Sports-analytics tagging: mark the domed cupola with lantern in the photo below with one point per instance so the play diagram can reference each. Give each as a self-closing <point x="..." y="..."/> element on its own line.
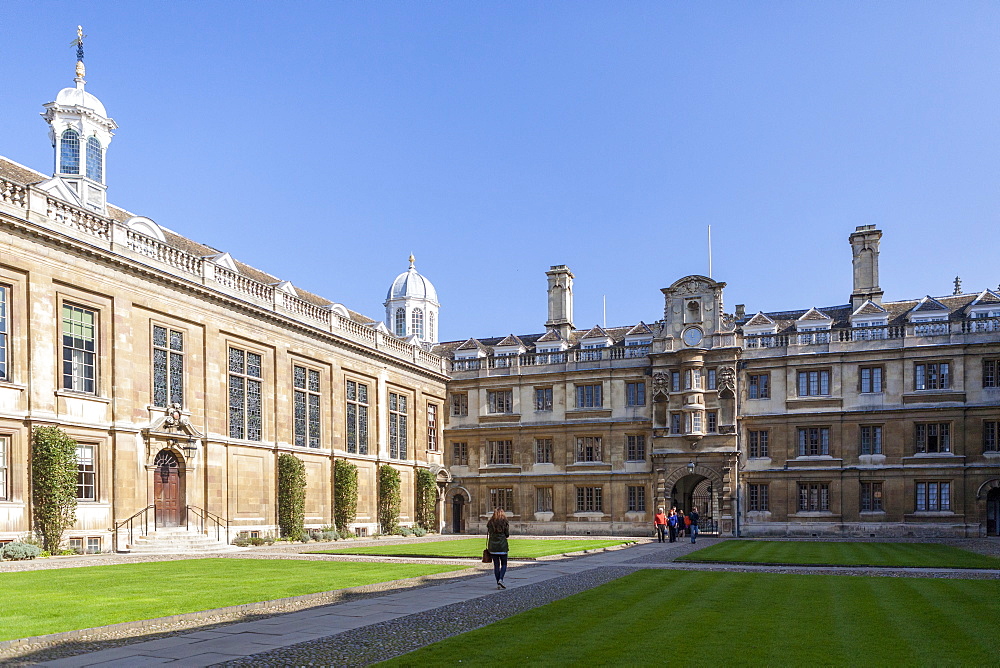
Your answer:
<point x="80" y="131"/>
<point x="411" y="307"/>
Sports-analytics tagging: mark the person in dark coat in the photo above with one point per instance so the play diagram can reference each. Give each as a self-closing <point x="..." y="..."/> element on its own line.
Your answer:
<point x="694" y="517"/>
<point x="672" y="525"/>
<point x="498" y="530"/>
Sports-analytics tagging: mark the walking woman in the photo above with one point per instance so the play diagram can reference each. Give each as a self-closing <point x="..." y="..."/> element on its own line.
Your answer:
<point x="499" y="530"/>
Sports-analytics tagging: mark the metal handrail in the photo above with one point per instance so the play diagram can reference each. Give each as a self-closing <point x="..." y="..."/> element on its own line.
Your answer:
<point x="205" y="517"/>
<point x="131" y="525"/>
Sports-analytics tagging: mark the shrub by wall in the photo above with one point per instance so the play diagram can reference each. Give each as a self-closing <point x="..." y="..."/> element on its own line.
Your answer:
<point x="19" y="551"/>
<point x="389" y="499"/>
<point x="291" y="496"/>
<point x="426" y="502"/>
<point x="345" y="494"/>
<point x="53" y="484"/>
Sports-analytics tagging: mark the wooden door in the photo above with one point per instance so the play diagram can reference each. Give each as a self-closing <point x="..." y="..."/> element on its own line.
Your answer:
<point x="167" y="490"/>
<point x="456" y="513"/>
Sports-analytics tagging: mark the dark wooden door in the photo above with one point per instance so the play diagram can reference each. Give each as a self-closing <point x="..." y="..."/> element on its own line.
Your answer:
<point x="167" y="490"/>
<point x="456" y="514"/>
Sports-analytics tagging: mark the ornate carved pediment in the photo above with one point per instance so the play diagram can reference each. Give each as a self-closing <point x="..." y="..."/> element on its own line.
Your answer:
<point x="661" y="384"/>
<point x="172" y="431"/>
<point x="727" y="380"/>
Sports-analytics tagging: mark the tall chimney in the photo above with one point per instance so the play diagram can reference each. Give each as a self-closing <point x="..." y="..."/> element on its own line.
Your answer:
<point x="560" y="300"/>
<point x="864" y="248"/>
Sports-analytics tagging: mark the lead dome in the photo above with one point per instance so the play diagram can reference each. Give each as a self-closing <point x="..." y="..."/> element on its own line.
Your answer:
<point x="411" y="307"/>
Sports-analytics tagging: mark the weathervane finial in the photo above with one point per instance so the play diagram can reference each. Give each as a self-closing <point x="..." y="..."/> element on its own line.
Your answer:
<point x="411" y="260"/>
<point x="81" y="71"/>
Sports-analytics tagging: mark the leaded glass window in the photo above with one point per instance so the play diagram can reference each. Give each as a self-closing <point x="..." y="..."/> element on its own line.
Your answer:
<point x="431" y="325"/>
<point x="245" y="395"/>
<point x="4" y="290"/>
<point x="635" y="447"/>
<point x="588" y="499"/>
<point x="357" y="418"/>
<point x="168" y="367"/>
<point x="432" y="430"/>
<point x="69" y="152"/>
<point x="79" y="332"/>
<point x="95" y="167"/>
<point x="397" y="426"/>
<point x="307" y="402"/>
<point x="588" y="449"/>
<point x="417" y="322"/>
<point x="400" y="322"/>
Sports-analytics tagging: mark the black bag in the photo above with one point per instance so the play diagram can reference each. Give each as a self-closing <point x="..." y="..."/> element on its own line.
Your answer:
<point x="486" y="557"/>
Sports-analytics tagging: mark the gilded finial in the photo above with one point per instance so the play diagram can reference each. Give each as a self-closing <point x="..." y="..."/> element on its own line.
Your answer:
<point x="411" y="260"/>
<point x="81" y="71"/>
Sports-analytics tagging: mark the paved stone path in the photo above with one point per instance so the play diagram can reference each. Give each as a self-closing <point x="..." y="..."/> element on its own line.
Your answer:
<point x="360" y="632"/>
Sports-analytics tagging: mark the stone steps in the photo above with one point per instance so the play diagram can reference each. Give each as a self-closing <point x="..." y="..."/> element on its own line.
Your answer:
<point x="178" y="541"/>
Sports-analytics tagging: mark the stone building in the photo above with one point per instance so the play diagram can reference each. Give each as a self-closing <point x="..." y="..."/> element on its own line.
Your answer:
<point x="871" y="418"/>
<point x="182" y="372"/>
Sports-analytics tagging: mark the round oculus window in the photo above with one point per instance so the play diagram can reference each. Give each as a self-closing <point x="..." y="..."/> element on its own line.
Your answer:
<point x="692" y="336"/>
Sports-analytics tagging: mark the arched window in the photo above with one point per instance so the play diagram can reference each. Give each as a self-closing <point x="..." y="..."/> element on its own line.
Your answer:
<point x="417" y="323"/>
<point x="400" y="322"/>
<point x="95" y="165"/>
<point x="69" y="153"/>
<point x="430" y="325"/>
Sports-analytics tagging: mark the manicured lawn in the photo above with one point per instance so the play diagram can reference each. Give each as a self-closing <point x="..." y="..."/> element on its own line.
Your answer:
<point x="723" y="619"/>
<point x="37" y="602"/>
<point x="520" y="548"/>
<point x="928" y="555"/>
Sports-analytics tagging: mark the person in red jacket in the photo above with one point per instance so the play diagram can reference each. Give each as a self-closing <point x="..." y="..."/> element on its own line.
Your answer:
<point x="660" y="523"/>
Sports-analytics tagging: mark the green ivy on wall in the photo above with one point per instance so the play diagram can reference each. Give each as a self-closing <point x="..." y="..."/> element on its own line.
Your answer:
<point x="345" y="494"/>
<point x="291" y="496"/>
<point x="426" y="501"/>
<point x="389" y="499"/>
<point x="53" y="484"/>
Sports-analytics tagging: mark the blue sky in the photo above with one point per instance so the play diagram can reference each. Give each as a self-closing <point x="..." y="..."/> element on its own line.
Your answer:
<point x="325" y="141"/>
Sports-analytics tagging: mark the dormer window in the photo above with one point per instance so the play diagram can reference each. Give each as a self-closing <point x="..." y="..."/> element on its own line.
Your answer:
<point x="95" y="162"/>
<point x="813" y="327"/>
<point x="69" y="152"/>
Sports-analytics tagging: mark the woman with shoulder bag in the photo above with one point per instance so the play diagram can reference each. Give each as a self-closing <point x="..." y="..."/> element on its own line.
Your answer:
<point x="498" y="530"/>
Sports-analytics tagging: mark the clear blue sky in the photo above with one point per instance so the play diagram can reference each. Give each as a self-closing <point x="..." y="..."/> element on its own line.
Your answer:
<point x="323" y="142"/>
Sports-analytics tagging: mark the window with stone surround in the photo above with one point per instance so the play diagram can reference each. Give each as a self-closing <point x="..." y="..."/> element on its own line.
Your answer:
<point x="459" y="404"/>
<point x="307" y="401"/>
<point x="870" y="379"/>
<point x="635" y="394"/>
<point x="4" y="458"/>
<point x="246" y="409"/>
<point x="814" y="497"/>
<point x="543" y="499"/>
<point x="757" y="443"/>
<point x="95" y="162"/>
<point x="589" y="499"/>
<point x="398" y="426"/>
<point x="759" y="386"/>
<point x="432" y="427"/>
<point x="814" y="441"/>
<point x="502" y="497"/>
<point x="712" y="422"/>
<point x="991" y="373"/>
<point x="543" y="398"/>
<point x="460" y="453"/>
<point x="635" y="447"/>
<point x="991" y="436"/>
<point x="814" y="383"/>
<point x="400" y="322"/>
<point x="86" y="473"/>
<point x="4" y="333"/>
<point x="871" y="496"/>
<point x="636" y="498"/>
<point x="69" y="152"/>
<point x="357" y="417"/>
<point x="932" y="376"/>
<point x="934" y="495"/>
<point x="933" y="436"/>
<point x="758" y="497"/>
<point x="871" y="439"/>
<point x="588" y="449"/>
<point x="543" y="450"/>
<point x="79" y="345"/>
<point x="500" y="401"/>
<point x="501" y="452"/>
<point x="168" y="366"/>
<point x="590" y="396"/>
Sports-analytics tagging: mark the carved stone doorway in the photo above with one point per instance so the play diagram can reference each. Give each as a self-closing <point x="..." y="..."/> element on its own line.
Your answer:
<point x="167" y="489"/>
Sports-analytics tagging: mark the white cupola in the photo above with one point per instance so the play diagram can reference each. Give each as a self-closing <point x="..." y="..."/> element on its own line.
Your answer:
<point x="80" y="131"/>
<point x="411" y="307"/>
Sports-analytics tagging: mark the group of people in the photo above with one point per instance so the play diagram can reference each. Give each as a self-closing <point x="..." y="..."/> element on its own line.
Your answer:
<point x="676" y="524"/>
